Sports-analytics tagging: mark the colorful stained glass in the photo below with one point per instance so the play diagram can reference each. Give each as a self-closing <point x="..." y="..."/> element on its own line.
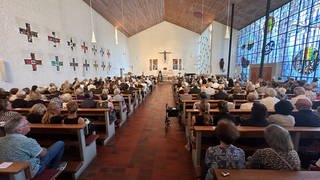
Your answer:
<point x="306" y="61"/>
<point x="293" y="40"/>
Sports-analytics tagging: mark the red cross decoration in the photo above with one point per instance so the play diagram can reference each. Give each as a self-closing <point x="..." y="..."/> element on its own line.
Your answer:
<point x="84" y="47"/>
<point x="103" y="65"/>
<point x="95" y="65"/>
<point x="94" y="49"/>
<point x="86" y="65"/>
<point x="102" y="52"/>
<point x="74" y="64"/>
<point x="54" y="39"/>
<point x="108" y="53"/>
<point x="33" y="61"/>
<point x="28" y="32"/>
<point x="71" y="44"/>
<point x="57" y="63"/>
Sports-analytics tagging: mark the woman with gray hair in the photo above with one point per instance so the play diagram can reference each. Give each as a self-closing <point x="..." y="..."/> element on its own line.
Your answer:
<point x="281" y="154"/>
<point x="270" y="100"/>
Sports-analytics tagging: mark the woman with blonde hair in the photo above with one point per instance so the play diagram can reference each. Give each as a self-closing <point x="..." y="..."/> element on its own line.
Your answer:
<point x="72" y="117"/>
<point x="53" y="114"/>
<point x="36" y="113"/>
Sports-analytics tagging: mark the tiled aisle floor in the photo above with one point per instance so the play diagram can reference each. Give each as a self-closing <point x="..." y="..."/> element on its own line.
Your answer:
<point x="140" y="149"/>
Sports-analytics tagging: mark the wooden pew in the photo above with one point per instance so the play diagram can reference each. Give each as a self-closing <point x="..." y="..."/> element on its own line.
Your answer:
<point x="87" y="150"/>
<point x="108" y="127"/>
<point x="262" y="174"/>
<point x="251" y="132"/>
<point x="16" y="171"/>
<point x="188" y="104"/>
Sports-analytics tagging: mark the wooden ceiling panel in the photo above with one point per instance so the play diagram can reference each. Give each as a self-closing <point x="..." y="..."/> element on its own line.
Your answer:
<point x="133" y="16"/>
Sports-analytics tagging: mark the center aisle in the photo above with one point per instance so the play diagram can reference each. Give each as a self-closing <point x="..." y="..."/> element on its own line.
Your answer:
<point x="140" y="149"/>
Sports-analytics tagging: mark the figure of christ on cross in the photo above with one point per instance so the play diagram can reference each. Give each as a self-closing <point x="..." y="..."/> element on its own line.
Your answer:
<point x="165" y="55"/>
<point x="71" y="44"/>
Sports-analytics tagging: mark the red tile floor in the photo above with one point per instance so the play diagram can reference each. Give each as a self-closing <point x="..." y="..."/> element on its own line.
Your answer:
<point x="140" y="149"/>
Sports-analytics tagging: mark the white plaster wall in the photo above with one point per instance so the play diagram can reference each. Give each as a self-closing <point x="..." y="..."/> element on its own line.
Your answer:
<point x="68" y="18"/>
<point x="164" y="36"/>
<point x="220" y="47"/>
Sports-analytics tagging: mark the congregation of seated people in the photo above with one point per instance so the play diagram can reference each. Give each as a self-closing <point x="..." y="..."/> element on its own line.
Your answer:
<point x="273" y="105"/>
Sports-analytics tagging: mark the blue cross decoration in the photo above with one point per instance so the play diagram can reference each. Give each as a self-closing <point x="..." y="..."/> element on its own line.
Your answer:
<point x="54" y="39"/>
<point x="102" y="52"/>
<point x="86" y="65"/>
<point x="71" y="44"/>
<point x="28" y="32"/>
<point x="57" y="63"/>
<point x="94" y="49"/>
<point x="95" y="65"/>
<point x="103" y="65"/>
<point x="269" y="47"/>
<point x="33" y="62"/>
<point x="74" y="64"/>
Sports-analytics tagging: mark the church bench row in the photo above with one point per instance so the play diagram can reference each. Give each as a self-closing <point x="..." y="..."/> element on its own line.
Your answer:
<point x="105" y="128"/>
<point x="188" y="104"/>
<point x="251" y="132"/>
<point x="79" y="151"/>
<point x="262" y="174"/>
<point x="83" y="149"/>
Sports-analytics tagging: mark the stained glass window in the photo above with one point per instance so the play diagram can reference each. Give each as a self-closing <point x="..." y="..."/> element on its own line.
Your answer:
<point x="293" y="40"/>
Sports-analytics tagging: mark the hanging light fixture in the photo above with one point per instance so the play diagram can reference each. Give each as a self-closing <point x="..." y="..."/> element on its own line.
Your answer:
<point x="227" y="35"/>
<point x="93" y="37"/>
<point x="116" y="35"/>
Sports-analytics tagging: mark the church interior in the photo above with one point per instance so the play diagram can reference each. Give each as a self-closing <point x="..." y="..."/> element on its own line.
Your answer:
<point x="151" y="69"/>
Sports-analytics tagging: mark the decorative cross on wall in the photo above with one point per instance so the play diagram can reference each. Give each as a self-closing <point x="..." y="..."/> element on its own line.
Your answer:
<point x="86" y="65"/>
<point x="94" y="49"/>
<point x="109" y="66"/>
<point x="102" y="52"/>
<point x="84" y="47"/>
<point x="108" y="53"/>
<point x="95" y="65"/>
<point x="57" y="63"/>
<point x="103" y="65"/>
<point x="33" y="61"/>
<point x="28" y="32"/>
<point x="74" y="64"/>
<point x="71" y="44"/>
<point x="54" y="39"/>
<point x="165" y="55"/>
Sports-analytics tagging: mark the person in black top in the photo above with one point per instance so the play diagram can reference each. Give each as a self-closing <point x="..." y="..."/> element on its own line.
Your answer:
<point x="223" y="113"/>
<point x="20" y="102"/>
<point x="258" y="116"/>
<point x="72" y="117"/>
<point x="36" y="113"/>
<point x="305" y="116"/>
<point x="88" y="102"/>
<point x="203" y="118"/>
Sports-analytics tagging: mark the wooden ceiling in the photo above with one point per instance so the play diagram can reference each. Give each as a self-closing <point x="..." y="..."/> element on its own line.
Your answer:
<point x="133" y="16"/>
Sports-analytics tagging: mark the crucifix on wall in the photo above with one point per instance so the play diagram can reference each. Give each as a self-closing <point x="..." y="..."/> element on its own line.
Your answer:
<point x="165" y="55"/>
